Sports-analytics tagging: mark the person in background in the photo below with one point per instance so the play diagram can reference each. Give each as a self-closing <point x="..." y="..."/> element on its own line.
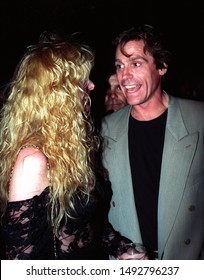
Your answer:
<point x="114" y="98"/>
<point x="154" y="152"/>
<point x="54" y="194"/>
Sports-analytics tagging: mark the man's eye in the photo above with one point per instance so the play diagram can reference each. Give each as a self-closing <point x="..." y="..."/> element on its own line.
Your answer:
<point x="137" y="64"/>
<point x="118" y="66"/>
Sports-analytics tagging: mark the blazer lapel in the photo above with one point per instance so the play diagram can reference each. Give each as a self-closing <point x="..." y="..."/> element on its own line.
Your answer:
<point x="123" y="203"/>
<point x="179" y="149"/>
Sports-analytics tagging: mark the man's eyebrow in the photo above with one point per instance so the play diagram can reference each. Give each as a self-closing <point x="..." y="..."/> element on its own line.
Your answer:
<point x="118" y="60"/>
<point x="132" y="58"/>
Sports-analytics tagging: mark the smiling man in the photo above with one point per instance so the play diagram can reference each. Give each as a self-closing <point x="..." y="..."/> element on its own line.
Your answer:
<point x="154" y="152"/>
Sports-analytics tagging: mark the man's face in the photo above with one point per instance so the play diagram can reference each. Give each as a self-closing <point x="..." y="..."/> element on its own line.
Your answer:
<point x="114" y="99"/>
<point x="137" y="74"/>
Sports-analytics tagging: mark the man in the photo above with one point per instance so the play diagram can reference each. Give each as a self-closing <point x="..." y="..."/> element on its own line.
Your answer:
<point x="114" y="98"/>
<point x="154" y="152"/>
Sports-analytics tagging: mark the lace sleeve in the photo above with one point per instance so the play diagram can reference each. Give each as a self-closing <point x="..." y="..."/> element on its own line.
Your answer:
<point x="25" y="225"/>
<point x="112" y="240"/>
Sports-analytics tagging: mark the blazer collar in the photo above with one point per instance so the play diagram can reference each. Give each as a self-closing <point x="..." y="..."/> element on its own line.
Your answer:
<point x="174" y="117"/>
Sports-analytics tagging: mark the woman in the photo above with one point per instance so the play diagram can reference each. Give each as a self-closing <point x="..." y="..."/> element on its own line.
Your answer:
<point x="54" y="198"/>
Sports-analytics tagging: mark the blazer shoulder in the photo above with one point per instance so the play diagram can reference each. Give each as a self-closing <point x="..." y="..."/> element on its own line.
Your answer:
<point x="194" y="106"/>
<point x="116" y="118"/>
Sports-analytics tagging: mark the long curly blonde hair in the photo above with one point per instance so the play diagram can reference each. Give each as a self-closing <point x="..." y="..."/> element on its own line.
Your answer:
<point x="45" y="108"/>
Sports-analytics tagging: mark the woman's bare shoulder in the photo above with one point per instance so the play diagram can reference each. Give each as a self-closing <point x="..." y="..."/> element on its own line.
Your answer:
<point x="30" y="174"/>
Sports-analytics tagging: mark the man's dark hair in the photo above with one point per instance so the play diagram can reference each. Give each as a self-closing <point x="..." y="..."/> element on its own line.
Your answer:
<point x="154" y="43"/>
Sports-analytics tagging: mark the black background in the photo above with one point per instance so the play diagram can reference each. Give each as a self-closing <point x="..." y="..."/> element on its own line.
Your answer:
<point x="182" y="22"/>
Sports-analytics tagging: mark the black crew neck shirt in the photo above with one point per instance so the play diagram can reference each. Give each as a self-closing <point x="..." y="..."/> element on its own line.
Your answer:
<point x="146" y="140"/>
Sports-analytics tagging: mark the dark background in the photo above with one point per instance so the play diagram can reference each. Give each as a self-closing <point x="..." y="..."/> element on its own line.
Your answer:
<point x="182" y="22"/>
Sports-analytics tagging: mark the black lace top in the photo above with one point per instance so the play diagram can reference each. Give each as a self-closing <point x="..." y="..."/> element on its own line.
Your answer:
<point x="28" y="234"/>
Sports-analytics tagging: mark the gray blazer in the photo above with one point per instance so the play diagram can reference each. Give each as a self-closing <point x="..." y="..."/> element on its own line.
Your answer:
<point x="181" y="191"/>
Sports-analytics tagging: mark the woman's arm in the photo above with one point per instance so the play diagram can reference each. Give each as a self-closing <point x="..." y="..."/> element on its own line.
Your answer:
<point x="30" y="174"/>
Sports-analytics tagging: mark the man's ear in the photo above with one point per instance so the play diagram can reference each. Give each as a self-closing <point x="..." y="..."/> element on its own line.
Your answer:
<point x="163" y="70"/>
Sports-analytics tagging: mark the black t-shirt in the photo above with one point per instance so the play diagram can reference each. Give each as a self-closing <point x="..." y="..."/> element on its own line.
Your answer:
<point x="146" y="139"/>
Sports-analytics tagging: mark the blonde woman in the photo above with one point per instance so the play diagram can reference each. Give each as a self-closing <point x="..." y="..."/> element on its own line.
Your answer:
<point x="53" y="206"/>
